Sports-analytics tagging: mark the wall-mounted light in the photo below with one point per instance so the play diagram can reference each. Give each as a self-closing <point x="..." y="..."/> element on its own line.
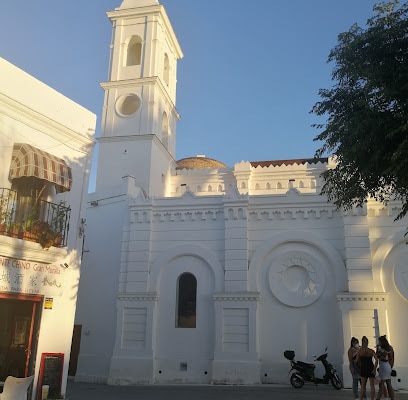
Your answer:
<point x="94" y="203"/>
<point x="81" y="227"/>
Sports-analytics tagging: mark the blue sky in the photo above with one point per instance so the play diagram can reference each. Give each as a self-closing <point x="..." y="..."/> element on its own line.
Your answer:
<point x="250" y="74"/>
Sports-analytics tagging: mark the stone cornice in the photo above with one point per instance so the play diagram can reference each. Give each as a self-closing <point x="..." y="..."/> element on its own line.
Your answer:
<point x="153" y="80"/>
<point x="362" y="296"/>
<point x="45" y="125"/>
<point x="148" y="296"/>
<point x="30" y="251"/>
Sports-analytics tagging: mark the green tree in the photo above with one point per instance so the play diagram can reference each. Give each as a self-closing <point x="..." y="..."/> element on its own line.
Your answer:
<point x="366" y="112"/>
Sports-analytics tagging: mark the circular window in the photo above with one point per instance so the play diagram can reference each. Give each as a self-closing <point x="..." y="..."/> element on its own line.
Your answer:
<point x="127" y="104"/>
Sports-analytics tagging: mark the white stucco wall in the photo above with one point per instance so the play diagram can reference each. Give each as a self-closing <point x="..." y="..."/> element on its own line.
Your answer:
<point x="33" y="113"/>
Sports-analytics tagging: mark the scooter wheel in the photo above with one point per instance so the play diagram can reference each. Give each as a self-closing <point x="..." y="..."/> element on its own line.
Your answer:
<point x="296" y="382"/>
<point x="336" y="381"/>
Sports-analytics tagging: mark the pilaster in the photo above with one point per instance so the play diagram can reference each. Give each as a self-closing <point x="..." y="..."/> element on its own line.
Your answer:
<point x="236" y="242"/>
<point x="236" y="354"/>
<point x="132" y="359"/>
<point x="357" y="250"/>
<point x="363" y="314"/>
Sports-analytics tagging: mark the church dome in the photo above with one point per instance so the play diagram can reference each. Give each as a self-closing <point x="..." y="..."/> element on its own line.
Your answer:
<point x="199" y="162"/>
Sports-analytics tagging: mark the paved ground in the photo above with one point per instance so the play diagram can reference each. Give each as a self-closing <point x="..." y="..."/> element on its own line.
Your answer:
<point x="90" y="391"/>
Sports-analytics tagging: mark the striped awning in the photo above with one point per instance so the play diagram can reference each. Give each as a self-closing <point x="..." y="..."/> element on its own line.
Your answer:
<point x="27" y="160"/>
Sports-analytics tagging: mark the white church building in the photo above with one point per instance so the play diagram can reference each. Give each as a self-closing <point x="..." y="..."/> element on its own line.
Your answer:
<point x="198" y="272"/>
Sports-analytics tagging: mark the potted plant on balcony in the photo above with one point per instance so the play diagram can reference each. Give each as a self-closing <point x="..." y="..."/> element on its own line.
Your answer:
<point x="4" y="215"/>
<point x="42" y="233"/>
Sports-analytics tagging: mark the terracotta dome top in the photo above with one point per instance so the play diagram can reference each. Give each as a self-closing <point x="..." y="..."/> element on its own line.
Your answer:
<point x="199" y="162"/>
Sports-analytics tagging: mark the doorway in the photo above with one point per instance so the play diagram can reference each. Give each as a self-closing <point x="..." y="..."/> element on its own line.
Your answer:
<point x="20" y="316"/>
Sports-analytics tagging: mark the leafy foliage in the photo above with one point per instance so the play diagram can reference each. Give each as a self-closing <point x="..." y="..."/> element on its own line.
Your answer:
<point x="367" y="111"/>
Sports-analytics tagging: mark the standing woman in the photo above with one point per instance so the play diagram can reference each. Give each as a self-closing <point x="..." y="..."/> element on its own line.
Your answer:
<point x="365" y="357"/>
<point x="385" y="354"/>
<point x="354" y="367"/>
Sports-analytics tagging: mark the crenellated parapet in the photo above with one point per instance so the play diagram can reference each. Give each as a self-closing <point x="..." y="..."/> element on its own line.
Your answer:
<point x="254" y="178"/>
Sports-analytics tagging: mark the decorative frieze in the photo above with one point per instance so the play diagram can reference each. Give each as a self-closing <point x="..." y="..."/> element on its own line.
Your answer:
<point x="236" y="296"/>
<point x="292" y="213"/>
<point x="347" y="296"/>
<point x="137" y="297"/>
<point x="232" y="213"/>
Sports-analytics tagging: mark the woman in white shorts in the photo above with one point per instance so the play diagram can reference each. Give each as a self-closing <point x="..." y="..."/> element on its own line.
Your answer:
<point x="385" y="354"/>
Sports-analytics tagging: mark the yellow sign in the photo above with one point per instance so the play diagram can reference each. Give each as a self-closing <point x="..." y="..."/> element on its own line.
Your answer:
<point x="48" y="303"/>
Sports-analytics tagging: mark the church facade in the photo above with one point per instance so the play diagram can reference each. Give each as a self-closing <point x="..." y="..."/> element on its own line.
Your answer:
<point x="198" y="272"/>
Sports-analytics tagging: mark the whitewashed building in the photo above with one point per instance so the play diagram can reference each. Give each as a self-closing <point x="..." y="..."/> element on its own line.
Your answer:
<point x="198" y="272"/>
<point x="46" y="143"/>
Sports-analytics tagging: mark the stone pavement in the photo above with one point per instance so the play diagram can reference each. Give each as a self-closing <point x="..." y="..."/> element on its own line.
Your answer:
<point x="93" y="391"/>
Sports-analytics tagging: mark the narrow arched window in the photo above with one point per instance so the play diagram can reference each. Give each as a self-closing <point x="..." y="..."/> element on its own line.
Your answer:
<point x="165" y="131"/>
<point x="133" y="51"/>
<point x="186" y="301"/>
<point x="166" y="69"/>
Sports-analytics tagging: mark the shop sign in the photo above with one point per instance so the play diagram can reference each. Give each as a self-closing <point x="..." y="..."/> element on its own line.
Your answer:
<point x="21" y="276"/>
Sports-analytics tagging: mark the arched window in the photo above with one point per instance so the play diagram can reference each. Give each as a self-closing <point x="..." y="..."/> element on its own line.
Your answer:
<point x="165" y="131"/>
<point x="133" y="51"/>
<point x="166" y="69"/>
<point x="186" y="301"/>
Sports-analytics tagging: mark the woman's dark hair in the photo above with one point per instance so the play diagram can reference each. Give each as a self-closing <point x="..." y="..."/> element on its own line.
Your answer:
<point x="353" y="340"/>
<point x="364" y="341"/>
<point x="384" y="343"/>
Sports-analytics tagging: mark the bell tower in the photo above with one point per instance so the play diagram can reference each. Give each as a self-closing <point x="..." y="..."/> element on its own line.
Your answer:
<point x="138" y="131"/>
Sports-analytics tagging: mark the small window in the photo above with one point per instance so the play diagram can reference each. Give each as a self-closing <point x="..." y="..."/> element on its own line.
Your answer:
<point x="186" y="301"/>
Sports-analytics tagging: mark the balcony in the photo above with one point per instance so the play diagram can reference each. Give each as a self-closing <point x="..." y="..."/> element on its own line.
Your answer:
<point x="34" y="220"/>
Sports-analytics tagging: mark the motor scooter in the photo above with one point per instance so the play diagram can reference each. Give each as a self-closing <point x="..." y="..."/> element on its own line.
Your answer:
<point x="304" y="372"/>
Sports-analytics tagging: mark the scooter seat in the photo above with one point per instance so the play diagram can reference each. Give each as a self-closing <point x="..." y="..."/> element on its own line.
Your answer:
<point x="306" y="365"/>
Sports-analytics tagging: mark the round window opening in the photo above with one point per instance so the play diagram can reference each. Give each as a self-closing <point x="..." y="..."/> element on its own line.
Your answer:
<point x="127" y="104"/>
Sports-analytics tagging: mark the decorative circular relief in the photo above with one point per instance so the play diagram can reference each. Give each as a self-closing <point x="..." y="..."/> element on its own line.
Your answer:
<point x="296" y="279"/>
<point x="128" y="104"/>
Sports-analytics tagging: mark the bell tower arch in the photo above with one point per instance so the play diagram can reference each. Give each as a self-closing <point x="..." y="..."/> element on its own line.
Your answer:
<point x="138" y="128"/>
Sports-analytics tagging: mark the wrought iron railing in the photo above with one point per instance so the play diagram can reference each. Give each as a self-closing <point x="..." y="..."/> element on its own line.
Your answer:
<point x="33" y="219"/>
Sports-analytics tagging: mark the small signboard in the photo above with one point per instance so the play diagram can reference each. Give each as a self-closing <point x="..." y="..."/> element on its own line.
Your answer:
<point x="51" y="368"/>
<point x="48" y="303"/>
